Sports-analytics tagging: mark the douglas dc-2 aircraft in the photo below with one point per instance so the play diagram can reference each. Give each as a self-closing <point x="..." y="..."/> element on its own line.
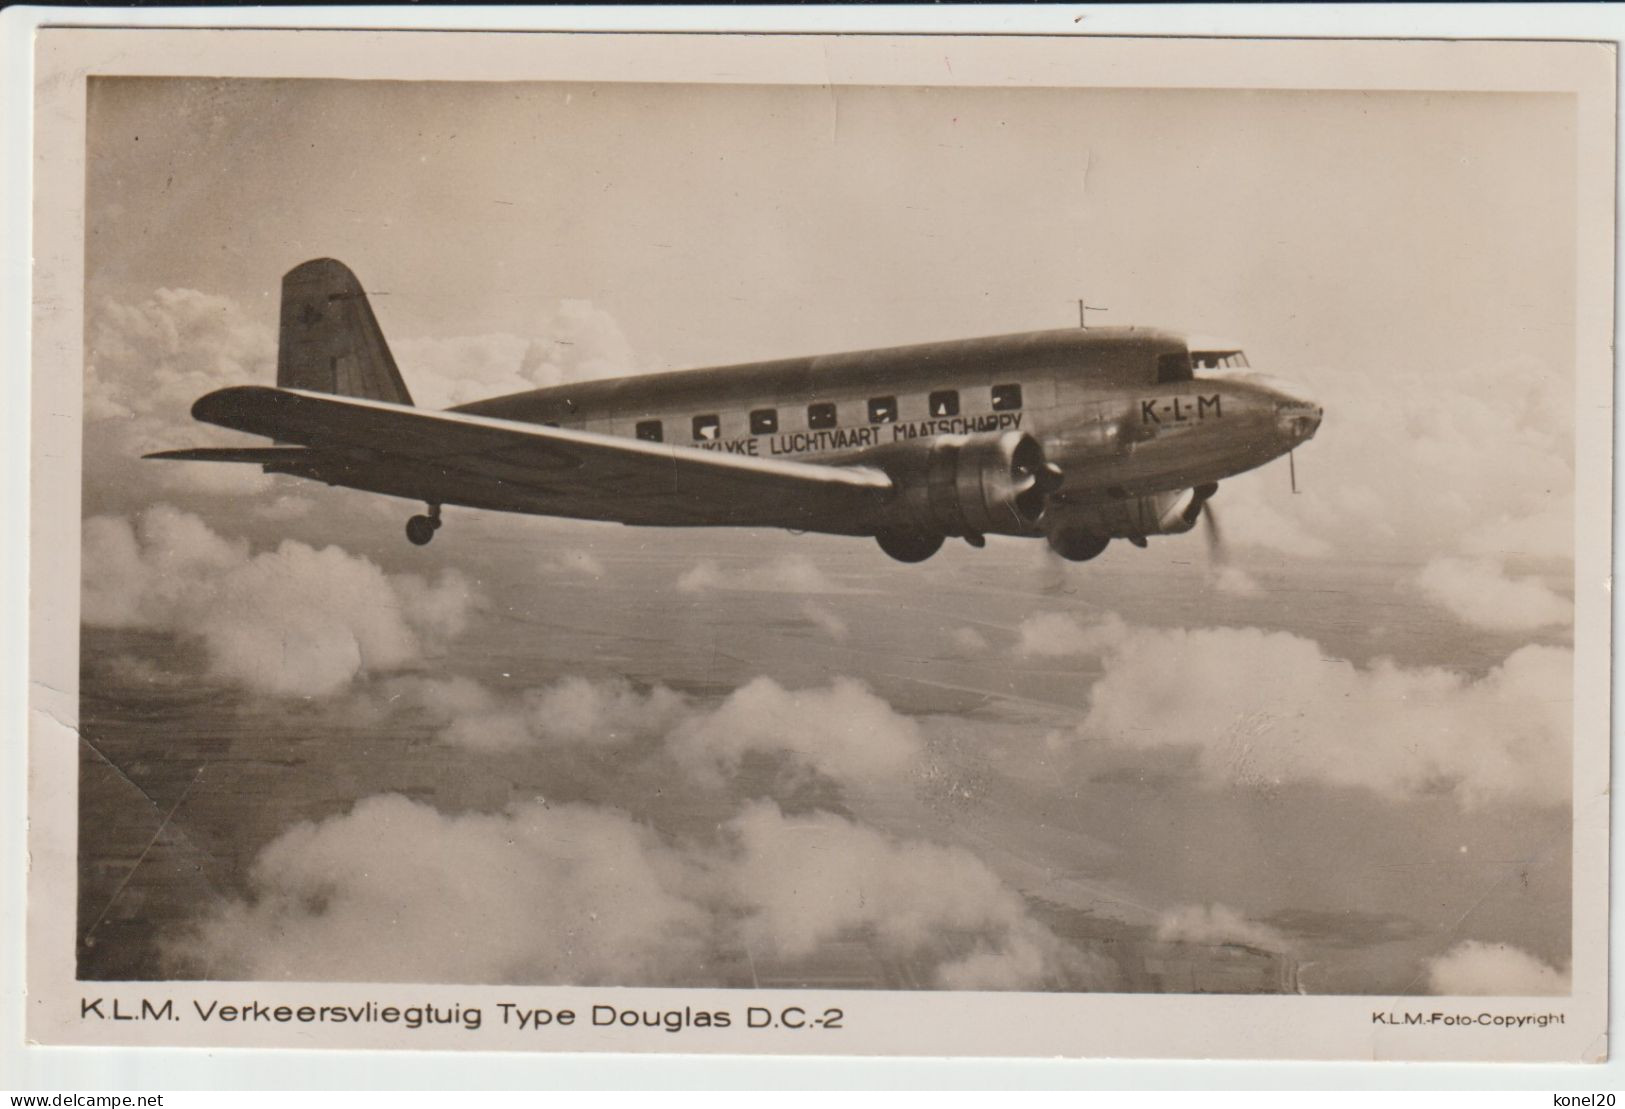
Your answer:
<point x="1077" y="436"/>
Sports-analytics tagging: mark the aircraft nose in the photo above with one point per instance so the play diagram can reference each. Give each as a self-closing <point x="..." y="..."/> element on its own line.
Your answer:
<point x="1296" y="415"/>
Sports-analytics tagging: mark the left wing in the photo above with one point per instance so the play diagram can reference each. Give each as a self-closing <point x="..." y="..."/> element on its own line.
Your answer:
<point x="457" y="458"/>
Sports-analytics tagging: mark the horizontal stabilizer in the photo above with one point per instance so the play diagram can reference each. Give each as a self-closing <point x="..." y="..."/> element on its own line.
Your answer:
<point x="232" y="454"/>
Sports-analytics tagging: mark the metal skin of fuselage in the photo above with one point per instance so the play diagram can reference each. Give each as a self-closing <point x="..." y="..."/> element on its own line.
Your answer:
<point x="1089" y="397"/>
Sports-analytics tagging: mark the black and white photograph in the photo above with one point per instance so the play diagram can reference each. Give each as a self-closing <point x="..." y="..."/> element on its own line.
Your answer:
<point x="996" y="540"/>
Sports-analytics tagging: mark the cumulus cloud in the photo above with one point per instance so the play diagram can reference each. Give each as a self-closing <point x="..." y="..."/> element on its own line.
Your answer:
<point x="806" y="880"/>
<point x="1053" y="634"/>
<point x="1494" y="441"/>
<point x="1258" y="708"/>
<point x="573" y="341"/>
<point x="285" y="507"/>
<point x="295" y="621"/>
<point x="1545" y="532"/>
<point x="1480" y="592"/>
<point x="573" y="711"/>
<point x="824" y="620"/>
<point x="146" y="363"/>
<point x="1236" y="582"/>
<point x="576" y="562"/>
<point x="793" y="573"/>
<point x="843" y="732"/>
<point x="394" y="890"/>
<point x="1252" y="517"/>
<point x="1474" y="968"/>
<point x="1216" y="924"/>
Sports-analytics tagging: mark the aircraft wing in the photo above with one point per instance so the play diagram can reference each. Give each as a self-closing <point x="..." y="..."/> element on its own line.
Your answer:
<point x="458" y="458"/>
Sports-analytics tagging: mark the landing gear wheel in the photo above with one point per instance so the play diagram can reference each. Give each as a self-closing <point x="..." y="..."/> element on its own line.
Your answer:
<point x="1075" y="545"/>
<point x="907" y="546"/>
<point x="421" y="529"/>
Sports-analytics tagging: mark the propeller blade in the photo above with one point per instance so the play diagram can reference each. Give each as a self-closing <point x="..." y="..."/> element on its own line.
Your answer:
<point x="1210" y="528"/>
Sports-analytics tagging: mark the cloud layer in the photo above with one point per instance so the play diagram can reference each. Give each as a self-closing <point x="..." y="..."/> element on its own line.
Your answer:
<point x="394" y="890"/>
<point x="293" y="621"/>
<point x="1259" y="708"/>
<point x="1476" y="969"/>
<point x="1481" y="593"/>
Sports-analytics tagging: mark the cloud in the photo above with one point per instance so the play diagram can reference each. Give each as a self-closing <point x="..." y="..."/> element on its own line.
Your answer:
<point x="577" y="562"/>
<point x="285" y="507"/>
<point x="967" y="641"/>
<point x="825" y="621"/>
<point x="1545" y="532"/>
<point x="1052" y="634"/>
<point x="573" y="341"/>
<point x="145" y="364"/>
<point x="1474" y="968"/>
<point x="1475" y="458"/>
<point x="573" y="711"/>
<point x="293" y="621"/>
<point x="843" y="732"/>
<point x="1257" y="708"/>
<point x="702" y="576"/>
<point x="1252" y="518"/>
<point x="394" y="890"/>
<point x="1236" y="582"/>
<point x="1481" y="593"/>
<point x="792" y="573"/>
<point x="1216" y="924"/>
<point x="804" y="881"/>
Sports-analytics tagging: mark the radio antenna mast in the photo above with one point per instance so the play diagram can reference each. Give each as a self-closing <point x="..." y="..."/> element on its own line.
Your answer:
<point x="1083" y="324"/>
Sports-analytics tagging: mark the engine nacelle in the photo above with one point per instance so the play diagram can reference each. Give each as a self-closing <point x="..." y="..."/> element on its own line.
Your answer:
<point x="989" y="483"/>
<point x="1134" y="517"/>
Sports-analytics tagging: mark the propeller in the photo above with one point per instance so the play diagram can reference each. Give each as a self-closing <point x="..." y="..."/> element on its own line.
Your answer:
<point x="1216" y="552"/>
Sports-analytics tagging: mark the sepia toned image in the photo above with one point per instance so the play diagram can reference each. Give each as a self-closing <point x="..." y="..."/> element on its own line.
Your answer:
<point x="832" y="540"/>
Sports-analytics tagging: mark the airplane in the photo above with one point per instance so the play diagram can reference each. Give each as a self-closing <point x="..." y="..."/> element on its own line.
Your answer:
<point x="1076" y="436"/>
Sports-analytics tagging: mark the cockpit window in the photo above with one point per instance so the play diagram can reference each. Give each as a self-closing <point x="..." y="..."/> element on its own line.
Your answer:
<point x="1173" y="367"/>
<point x="1219" y="360"/>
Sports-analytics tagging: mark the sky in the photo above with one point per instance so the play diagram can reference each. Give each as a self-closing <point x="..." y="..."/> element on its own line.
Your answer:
<point x="1390" y="647"/>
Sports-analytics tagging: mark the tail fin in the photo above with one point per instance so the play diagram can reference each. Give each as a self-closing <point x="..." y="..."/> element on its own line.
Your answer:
<point x="330" y="341"/>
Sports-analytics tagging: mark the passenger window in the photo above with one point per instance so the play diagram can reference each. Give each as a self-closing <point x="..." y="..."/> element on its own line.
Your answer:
<point x="707" y="428"/>
<point x="649" y="431"/>
<point x="820" y="416"/>
<point x="882" y="410"/>
<point x="1173" y="367"/>
<point x="764" y="421"/>
<point x="945" y="403"/>
<point x="1006" y="398"/>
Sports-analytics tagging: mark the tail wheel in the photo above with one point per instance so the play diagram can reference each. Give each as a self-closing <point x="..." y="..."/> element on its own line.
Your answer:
<point x="1077" y="545"/>
<point x="909" y="546"/>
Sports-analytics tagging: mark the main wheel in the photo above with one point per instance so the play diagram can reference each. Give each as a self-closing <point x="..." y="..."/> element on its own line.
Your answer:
<point x="909" y="546"/>
<point x="421" y="529"/>
<point x="1077" y="545"/>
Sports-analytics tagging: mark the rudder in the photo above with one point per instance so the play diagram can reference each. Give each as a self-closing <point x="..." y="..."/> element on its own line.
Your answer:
<point x="330" y="341"/>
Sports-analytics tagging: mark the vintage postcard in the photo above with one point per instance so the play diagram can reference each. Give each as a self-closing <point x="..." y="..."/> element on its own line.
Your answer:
<point x="818" y="544"/>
